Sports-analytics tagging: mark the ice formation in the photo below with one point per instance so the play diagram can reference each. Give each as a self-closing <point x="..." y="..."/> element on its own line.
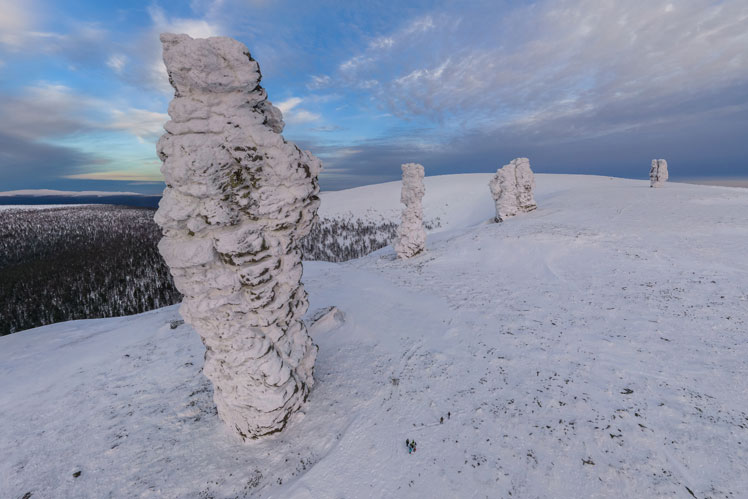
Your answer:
<point x="238" y="198"/>
<point x="411" y="236"/>
<point x="512" y="188"/>
<point x="658" y="173"/>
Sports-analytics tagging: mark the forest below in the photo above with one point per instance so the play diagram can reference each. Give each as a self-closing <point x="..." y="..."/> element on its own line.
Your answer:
<point x="84" y="262"/>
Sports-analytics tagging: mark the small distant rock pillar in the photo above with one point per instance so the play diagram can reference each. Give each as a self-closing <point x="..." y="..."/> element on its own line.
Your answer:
<point x="512" y="189"/>
<point x="238" y="199"/>
<point x="411" y="236"/>
<point x="658" y="173"/>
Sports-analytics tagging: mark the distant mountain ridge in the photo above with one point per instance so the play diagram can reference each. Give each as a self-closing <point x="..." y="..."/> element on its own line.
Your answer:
<point x="48" y="196"/>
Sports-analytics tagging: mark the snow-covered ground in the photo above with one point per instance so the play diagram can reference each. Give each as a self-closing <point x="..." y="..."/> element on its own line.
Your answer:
<point x="596" y="347"/>
<point x="453" y="201"/>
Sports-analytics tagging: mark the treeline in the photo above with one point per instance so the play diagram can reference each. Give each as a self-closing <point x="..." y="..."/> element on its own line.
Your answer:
<point x="79" y="263"/>
<point x="339" y="240"/>
<point x="85" y="262"/>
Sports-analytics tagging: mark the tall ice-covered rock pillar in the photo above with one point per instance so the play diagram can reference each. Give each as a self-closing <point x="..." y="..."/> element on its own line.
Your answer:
<point x="238" y="198"/>
<point x="411" y="235"/>
<point x="658" y="173"/>
<point x="512" y="189"/>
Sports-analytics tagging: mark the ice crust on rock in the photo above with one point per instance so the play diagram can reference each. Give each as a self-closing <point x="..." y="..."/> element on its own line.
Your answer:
<point x="658" y="173"/>
<point x="238" y="198"/>
<point x="411" y="235"/>
<point x="512" y="189"/>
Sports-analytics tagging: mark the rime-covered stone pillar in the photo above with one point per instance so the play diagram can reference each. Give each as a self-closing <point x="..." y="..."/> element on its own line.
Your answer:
<point x="238" y="198"/>
<point x="512" y="189"/>
<point x="658" y="173"/>
<point x="411" y="236"/>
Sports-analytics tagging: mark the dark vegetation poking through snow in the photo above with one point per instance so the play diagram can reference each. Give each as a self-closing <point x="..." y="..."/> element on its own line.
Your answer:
<point x="79" y="263"/>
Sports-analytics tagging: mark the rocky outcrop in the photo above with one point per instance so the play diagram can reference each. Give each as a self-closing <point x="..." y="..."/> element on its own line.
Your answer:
<point x="411" y="235"/>
<point x="658" y="173"/>
<point x="512" y="189"/>
<point x="238" y="198"/>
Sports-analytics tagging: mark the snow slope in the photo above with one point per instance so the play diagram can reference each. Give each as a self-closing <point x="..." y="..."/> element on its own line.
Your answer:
<point x="596" y="347"/>
<point x="455" y="200"/>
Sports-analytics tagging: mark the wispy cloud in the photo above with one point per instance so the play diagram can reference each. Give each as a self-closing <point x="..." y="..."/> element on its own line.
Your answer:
<point x="15" y="22"/>
<point x="117" y="62"/>
<point x="288" y="104"/>
<point x="150" y="46"/>
<point x="121" y="175"/>
<point x="295" y="116"/>
<point x="587" y="61"/>
<point x="143" y="124"/>
<point x="317" y="82"/>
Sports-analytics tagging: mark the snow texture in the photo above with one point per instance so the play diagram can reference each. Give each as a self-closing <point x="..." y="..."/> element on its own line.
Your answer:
<point x="596" y="351"/>
<point x="512" y="189"/>
<point x="238" y="199"/>
<point x="658" y="173"/>
<point x="411" y="235"/>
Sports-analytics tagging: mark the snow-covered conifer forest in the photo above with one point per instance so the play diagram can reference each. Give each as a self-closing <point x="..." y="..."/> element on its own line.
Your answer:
<point x="84" y="262"/>
<point x="81" y="262"/>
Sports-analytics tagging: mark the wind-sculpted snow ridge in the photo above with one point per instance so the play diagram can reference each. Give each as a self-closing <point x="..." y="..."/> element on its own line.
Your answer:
<point x="512" y="189"/>
<point x="238" y="200"/>
<point x="658" y="173"/>
<point x="411" y="235"/>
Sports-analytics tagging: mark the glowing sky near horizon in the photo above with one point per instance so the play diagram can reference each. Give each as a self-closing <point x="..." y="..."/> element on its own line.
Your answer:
<point x="578" y="86"/>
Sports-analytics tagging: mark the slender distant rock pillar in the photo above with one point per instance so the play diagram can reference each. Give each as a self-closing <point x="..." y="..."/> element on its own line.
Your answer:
<point x="512" y="189"/>
<point x="238" y="198"/>
<point x="658" y="173"/>
<point x="411" y="236"/>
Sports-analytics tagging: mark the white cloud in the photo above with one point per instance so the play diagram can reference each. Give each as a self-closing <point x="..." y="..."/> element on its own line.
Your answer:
<point x="196" y="28"/>
<point x="608" y="64"/>
<point x="302" y="116"/>
<point x="419" y="25"/>
<point x="49" y="110"/>
<point x="382" y="46"/>
<point x="117" y="62"/>
<point x="143" y="124"/>
<point x="122" y="175"/>
<point x="383" y="42"/>
<point x="15" y="21"/>
<point x="319" y="81"/>
<point x="295" y="116"/>
<point x="288" y="104"/>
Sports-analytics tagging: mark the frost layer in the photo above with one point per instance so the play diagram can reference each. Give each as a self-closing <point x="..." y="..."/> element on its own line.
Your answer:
<point x="411" y="236"/>
<point x="658" y="173"/>
<point x="238" y="198"/>
<point x="512" y="189"/>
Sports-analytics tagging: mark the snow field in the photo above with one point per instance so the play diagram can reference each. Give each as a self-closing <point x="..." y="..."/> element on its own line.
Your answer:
<point x="595" y="347"/>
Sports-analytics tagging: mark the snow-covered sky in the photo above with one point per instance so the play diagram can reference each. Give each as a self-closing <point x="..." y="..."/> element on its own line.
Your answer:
<point x="579" y="86"/>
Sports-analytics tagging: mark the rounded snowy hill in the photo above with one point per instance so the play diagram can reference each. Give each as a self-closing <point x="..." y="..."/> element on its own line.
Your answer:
<point x="596" y="347"/>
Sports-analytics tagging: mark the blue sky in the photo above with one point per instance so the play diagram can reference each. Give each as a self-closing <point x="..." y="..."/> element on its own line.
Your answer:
<point x="578" y="86"/>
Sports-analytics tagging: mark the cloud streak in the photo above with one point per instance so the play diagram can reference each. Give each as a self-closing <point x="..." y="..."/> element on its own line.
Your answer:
<point x="585" y="60"/>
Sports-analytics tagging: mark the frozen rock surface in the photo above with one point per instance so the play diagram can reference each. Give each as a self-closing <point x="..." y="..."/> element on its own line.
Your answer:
<point x="512" y="189"/>
<point x="238" y="198"/>
<point x="658" y="173"/>
<point x="411" y="235"/>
